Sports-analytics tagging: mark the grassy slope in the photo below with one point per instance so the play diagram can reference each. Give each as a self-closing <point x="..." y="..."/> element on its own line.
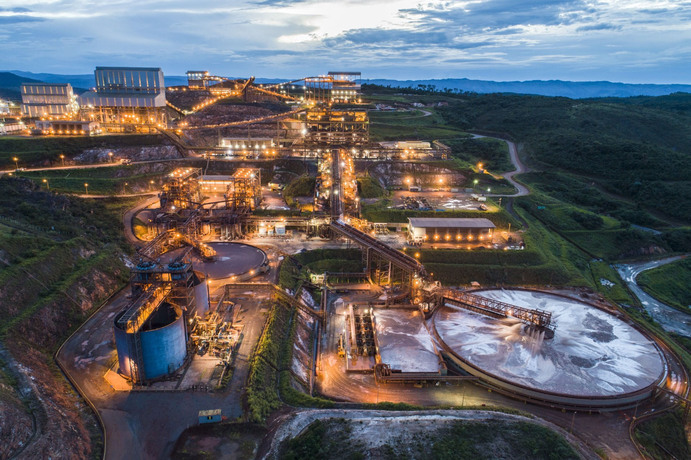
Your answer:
<point x="102" y="181"/>
<point x="33" y="151"/>
<point x="669" y="283"/>
<point x="60" y="257"/>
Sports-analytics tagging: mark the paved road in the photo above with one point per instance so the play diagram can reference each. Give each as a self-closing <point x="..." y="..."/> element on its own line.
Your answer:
<point x="146" y="424"/>
<point x="58" y="168"/>
<point x="670" y="318"/>
<point x="127" y="219"/>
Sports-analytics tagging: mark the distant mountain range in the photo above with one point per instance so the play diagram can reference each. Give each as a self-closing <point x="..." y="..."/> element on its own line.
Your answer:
<point x="572" y="89"/>
<point x="10" y="82"/>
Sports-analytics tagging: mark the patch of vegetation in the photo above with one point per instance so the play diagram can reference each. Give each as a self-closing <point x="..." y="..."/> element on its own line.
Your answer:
<point x="314" y="443"/>
<point x="492" y="153"/>
<point x="295" y="268"/>
<point x="618" y="293"/>
<point x="568" y="189"/>
<point x="664" y="436"/>
<point x="368" y="187"/>
<point x="390" y="126"/>
<point x="635" y="147"/>
<point x="262" y="382"/>
<point x="60" y="257"/>
<point x="670" y="283"/>
<point x="520" y="440"/>
<point x="302" y="186"/>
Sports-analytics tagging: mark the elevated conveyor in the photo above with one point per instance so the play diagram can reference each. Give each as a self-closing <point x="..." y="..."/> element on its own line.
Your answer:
<point x="367" y="242"/>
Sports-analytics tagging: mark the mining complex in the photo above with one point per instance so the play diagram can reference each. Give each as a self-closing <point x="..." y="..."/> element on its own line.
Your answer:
<point x="210" y="246"/>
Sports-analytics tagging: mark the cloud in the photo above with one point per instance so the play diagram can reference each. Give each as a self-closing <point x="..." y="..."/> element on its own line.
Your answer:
<point x="562" y="39"/>
<point x="601" y="26"/>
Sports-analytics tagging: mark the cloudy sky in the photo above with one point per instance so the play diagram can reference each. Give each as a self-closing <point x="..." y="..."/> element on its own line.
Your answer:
<point x="635" y="41"/>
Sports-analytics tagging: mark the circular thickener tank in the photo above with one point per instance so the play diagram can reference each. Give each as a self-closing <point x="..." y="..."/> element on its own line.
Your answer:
<point x="232" y="259"/>
<point x="162" y="343"/>
<point x="594" y="359"/>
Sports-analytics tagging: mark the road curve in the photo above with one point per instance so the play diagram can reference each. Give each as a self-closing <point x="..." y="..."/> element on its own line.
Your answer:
<point x="517" y="164"/>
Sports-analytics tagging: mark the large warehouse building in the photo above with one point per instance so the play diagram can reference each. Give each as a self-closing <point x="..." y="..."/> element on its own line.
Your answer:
<point x="127" y="99"/>
<point x="48" y="100"/>
<point x="439" y="229"/>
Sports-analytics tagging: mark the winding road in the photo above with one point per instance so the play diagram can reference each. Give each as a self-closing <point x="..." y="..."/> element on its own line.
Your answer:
<point x="509" y="176"/>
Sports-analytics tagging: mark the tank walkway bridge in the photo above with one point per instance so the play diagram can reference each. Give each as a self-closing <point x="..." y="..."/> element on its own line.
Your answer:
<point x="495" y="308"/>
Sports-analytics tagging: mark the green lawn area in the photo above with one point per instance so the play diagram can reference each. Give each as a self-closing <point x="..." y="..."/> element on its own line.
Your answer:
<point x="389" y="126"/>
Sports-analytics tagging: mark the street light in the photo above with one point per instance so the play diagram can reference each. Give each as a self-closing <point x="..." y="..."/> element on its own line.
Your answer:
<point x="62" y="157"/>
<point x="110" y="157"/>
<point x="16" y="162"/>
<point x="86" y="188"/>
<point x="45" y="181"/>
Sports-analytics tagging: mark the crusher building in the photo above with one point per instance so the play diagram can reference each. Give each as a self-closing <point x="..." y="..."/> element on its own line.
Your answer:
<point x="127" y="99"/>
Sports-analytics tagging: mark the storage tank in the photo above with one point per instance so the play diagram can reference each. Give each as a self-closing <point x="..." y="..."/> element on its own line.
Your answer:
<point x="157" y="349"/>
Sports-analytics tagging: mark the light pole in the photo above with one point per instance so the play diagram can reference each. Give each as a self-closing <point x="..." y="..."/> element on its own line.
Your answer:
<point x="45" y="181"/>
<point x="16" y="162"/>
<point x="110" y="157"/>
<point x="151" y="184"/>
<point x="62" y="157"/>
<point x="86" y="188"/>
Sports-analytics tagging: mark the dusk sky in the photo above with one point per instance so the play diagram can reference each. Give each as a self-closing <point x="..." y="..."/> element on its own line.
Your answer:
<point x="634" y="41"/>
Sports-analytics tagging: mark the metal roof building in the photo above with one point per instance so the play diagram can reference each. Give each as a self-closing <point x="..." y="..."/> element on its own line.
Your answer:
<point x="450" y="229"/>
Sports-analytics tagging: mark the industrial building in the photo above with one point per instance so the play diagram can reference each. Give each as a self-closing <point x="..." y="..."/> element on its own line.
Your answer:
<point x="4" y="107"/>
<point x="241" y="191"/>
<point x="181" y="191"/>
<point x="197" y="79"/>
<point x="327" y="127"/>
<point x="336" y="87"/>
<point x="48" y="100"/>
<point x="127" y="99"/>
<point x="434" y="229"/>
<point x="68" y="127"/>
<point x="244" y="146"/>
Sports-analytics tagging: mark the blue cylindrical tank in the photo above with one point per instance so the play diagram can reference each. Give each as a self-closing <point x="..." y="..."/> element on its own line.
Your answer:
<point x="164" y="349"/>
<point x="162" y="345"/>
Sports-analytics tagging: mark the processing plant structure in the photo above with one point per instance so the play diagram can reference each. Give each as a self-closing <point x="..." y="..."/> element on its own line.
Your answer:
<point x="530" y="345"/>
